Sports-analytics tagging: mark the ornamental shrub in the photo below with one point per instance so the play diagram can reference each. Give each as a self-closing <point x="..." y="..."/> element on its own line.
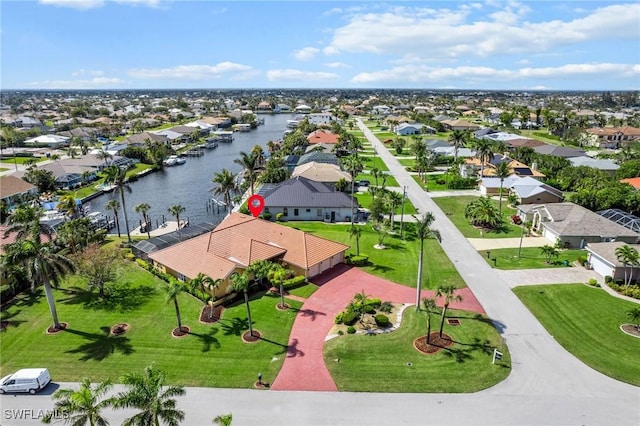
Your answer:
<point x="266" y="216"/>
<point x="279" y="216"/>
<point x="244" y="210"/>
<point x="375" y="302"/>
<point x="386" y="307"/>
<point x="351" y="329"/>
<point x="349" y="317"/>
<point x="608" y="279"/>
<point x="294" y="282"/>
<point x="593" y="282"/>
<point x="382" y="320"/>
<point x="369" y="309"/>
<point x="338" y="318"/>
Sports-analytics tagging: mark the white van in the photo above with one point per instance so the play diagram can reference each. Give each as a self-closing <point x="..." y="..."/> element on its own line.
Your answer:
<point x="26" y="380"/>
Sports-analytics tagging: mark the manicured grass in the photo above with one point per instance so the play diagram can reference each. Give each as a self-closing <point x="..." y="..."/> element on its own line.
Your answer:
<point x="304" y="291"/>
<point x="431" y="184"/>
<point x="454" y="208"/>
<point x="212" y="355"/>
<point x="530" y="258"/>
<point x="399" y="262"/>
<point x="3" y="169"/>
<point x="407" y="162"/>
<point x="371" y="162"/>
<point x="586" y="321"/>
<point x="365" y="199"/>
<point x="389" y="181"/>
<point x="10" y="161"/>
<point x="378" y="363"/>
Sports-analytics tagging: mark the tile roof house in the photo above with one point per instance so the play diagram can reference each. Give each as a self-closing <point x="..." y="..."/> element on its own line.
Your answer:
<point x="13" y="189"/>
<point x="300" y="198"/>
<point x="240" y="240"/>
<point x="558" y="151"/>
<point x="635" y="182"/>
<point x="139" y="139"/>
<point x="459" y="125"/>
<point x="603" y="260"/>
<point x="321" y="172"/>
<point x="322" y="136"/>
<point x="472" y="167"/>
<point x="574" y="225"/>
<point x="611" y="137"/>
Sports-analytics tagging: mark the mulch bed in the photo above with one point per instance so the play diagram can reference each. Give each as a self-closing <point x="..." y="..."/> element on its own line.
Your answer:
<point x="4" y="325"/>
<point x="248" y="338"/>
<point x="435" y="343"/>
<point x="630" y="329"/>
<point x="261" y="385"/>
<point x="176" y="332"/>
<point x="282" y="308"/>
<point x="119" y="329"/>
<point x="53" y="330"/>
<point x="210" y="315"/>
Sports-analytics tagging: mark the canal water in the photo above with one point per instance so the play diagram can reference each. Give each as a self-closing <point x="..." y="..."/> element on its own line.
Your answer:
<point x="190" y="184"/>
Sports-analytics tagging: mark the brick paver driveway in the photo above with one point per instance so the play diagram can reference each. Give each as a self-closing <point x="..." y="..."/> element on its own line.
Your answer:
<point x="304" y="367"/>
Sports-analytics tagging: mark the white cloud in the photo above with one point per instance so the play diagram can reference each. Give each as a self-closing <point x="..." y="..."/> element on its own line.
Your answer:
<point x="75" y="4"/>
<point x="81" y="72"/>
<point x="299" y="75"/>
<point x="425" y="75"/>
<point x="94" y="83"/>
<point x="305" y="53"/>
<point x="337" y="65"/>
<point x="190" y="72"/>
<point x="456" y="33"/>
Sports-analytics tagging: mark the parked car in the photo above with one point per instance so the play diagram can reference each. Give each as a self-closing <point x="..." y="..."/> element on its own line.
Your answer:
<point x="29" y="380"/>
<point x="363" y="183"/>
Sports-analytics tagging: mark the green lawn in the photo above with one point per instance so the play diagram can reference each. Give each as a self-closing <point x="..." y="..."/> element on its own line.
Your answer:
<point x="399" y="262"/>
<point x="371" y="162"/>
<point x="530" y="258"/>
<point x="586" y="321"/>
<point x="431" y="183"/>
<point x="365" y="199"/>
<point x="454" y="208"/>
<point x="3" y="169"/>
<point x="379" y="363"/>
<point x="207" y="357"/>
<point x="10" y="161"/>
<point x="304" y="291"/>
<point x="87" y="190"/>
<point x="389" y="181"/>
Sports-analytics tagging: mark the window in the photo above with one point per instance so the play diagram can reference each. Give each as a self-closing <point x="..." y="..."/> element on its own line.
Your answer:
<point x="285" y="212"/>
<point x="295" y="212"/>
<point x="319" y="213"/>
<point x="308" y="210"/>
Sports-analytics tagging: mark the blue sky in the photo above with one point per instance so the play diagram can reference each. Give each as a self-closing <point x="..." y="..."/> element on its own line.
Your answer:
<point x="145" y="44"/>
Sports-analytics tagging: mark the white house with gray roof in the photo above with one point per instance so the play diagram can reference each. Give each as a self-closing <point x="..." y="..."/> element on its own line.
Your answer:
<point x="603" y="164"/>
<point x="603" y="260"/>
<point x="574" y="225"/>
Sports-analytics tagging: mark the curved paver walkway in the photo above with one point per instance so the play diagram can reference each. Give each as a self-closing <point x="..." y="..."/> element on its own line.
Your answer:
<point x="304" y="367"/>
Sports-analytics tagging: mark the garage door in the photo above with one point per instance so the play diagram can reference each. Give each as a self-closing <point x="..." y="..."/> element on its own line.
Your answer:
<point x="600" y="267"/>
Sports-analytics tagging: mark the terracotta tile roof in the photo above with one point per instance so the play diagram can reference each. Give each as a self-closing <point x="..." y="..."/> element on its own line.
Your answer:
<point x="610" y="131"/>
<point x="240" y="240"/>
<point x="322" y="136"/>
<point x="11" y="238"/>
<point x="635" y="182"/>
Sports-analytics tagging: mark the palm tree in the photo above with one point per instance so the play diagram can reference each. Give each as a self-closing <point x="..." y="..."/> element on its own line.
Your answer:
<point x="482" y="212"/>
<point x="82" y="406"/>
<point x="114" y="206"/>
<point x="360" y="300"/>
<point x="173" y="289"/>
<point x="429" y="307"/>
<point x="458" y="139"/>
<point x="392" y="199"/>
<point x="260" y="269"/>
<point x="446" y="292"/>
<point x="424" y="231"/>
<point x="68" y="205"/>
<point x="249" y="166"/>
<point x="148" y="393"/>
<point x="355" y="232"/>
<point x="503" y="171"/>
<point x="484" y="153"/>
<point x="549" y="252"/>
<point x="223" y="419"/>
<point x="104" y="155"/>
<point x="176" y="210"/>
<point x="241" y="282"/>
<point x="143" y="208"/>
<point x="628" y="256"/>
<point x="634" y="315"/>
<point x="353" y="166"/>
<point x="116" y="176"/>
<point x="277" y="275"/>
<point x="40" y="261"/>
<point x="226" y="185"/>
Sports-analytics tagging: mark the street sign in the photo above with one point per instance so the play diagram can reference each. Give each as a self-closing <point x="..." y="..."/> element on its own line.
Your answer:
<point x="497" y="355"/>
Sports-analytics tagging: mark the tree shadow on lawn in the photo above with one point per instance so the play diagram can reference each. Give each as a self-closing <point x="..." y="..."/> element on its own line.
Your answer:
<point x="100" y="346"/>
<point x="6" y="320"/>
<point x="208" y="339"/>
<point x="29" y="298"/>
<point x="284" y="348"/>
<point x="381" y="268"/>
<point x="498" y="325"/>
<point x="235" y="326"/>
<point x="308" y="313"/>
<point x="119" y="297"/>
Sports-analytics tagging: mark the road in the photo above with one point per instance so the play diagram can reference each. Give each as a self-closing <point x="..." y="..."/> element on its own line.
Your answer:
<point x="547" y="385"/>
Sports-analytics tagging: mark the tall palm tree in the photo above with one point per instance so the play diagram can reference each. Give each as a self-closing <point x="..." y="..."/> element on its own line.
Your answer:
<point x="148" y="393"/>
<point x="447" y="292"/>
<point x="104" y="155"/>
<point x="355" y="232"/>
<point x="484" y="153"/>
<point x="42" y="264"/>
<point x="392" y="199"/>
<point x="177" y="210"/>
<point x="503" y="171"/>
<point x="249" y="163"/>
<point x="424" y="231"/>
<point x="353" y="166"/>
<point x="277" y="275"/>
<point x="482" y="212"/>
<point x="429" y="306"/>
<point x="223" y="419"/>
<point x="82" y="406"/>
<point x="68" y="205"/>
<point x="116" y="176"/>
<point x="628" y="256"/>
<point x="260" y="269"/>
<point x="226" y="185"/>
<point x="143" y="208"/>
<point x="458" y="139"/>
<point x="241" y="282"/>
<point x="173" y="289"/>
<point x="114" y="206"/>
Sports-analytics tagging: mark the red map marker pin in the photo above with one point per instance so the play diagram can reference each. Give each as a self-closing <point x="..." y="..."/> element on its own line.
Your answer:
<point x="255" y="204"/>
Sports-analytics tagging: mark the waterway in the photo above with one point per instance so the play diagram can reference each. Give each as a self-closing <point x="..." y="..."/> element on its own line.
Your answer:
<point x="190" y="184"/>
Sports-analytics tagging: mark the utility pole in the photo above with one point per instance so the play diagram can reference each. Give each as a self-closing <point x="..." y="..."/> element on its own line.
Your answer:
<point x="521" y="237"/>
<point x="404" y="194"/>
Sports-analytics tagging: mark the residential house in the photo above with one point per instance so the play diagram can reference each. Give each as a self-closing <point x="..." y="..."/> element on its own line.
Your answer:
<point x="321" y="172"/>
<point x="140" y="139"/>
<point x="86" y="134"/>
<point x="406" y="129"/>
<point x="460" y="124"/>
<point x="558" y="151"/>
<point x="472" y="167"/>
<point x="300" y="198"/>
<point x="527" y="189"/>
<point x="50" y="141"/>
<point x="13" y="190"/>
<point x="381" y="110"/>
<point x="610" y="137"/>
<point x="323" y="136"/>
<point x="238" y="241"/>
<point x="303" y="109"/>
<point x="318" y="157"/>
<point x="604" y="164"/>
<point x="635" y="182"/>
<point x="602" y="259"/>
<point x="321" y="118"/>
<point x="574" y="225"/>
<point x="264" y="106"/>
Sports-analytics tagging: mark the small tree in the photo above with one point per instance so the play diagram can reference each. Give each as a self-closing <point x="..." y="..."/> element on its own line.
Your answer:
<point x="549" y="252"/>
<point x="241" y="282"/>
<point x="360" y="300"/>
<point x="356" y="232"/>
<point x="634" y="316"/>
<point x="98" y="265"/>
<point x="82" y="406"/>
<point x="176" y="210"/>
<point x="143" y="208"/>
<point x="223" y="419"/>
<point x="429" y="306"/>
<point x="447" y="293"/>
<point x="173" y="289"/>
<point x="277" y="275"/>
